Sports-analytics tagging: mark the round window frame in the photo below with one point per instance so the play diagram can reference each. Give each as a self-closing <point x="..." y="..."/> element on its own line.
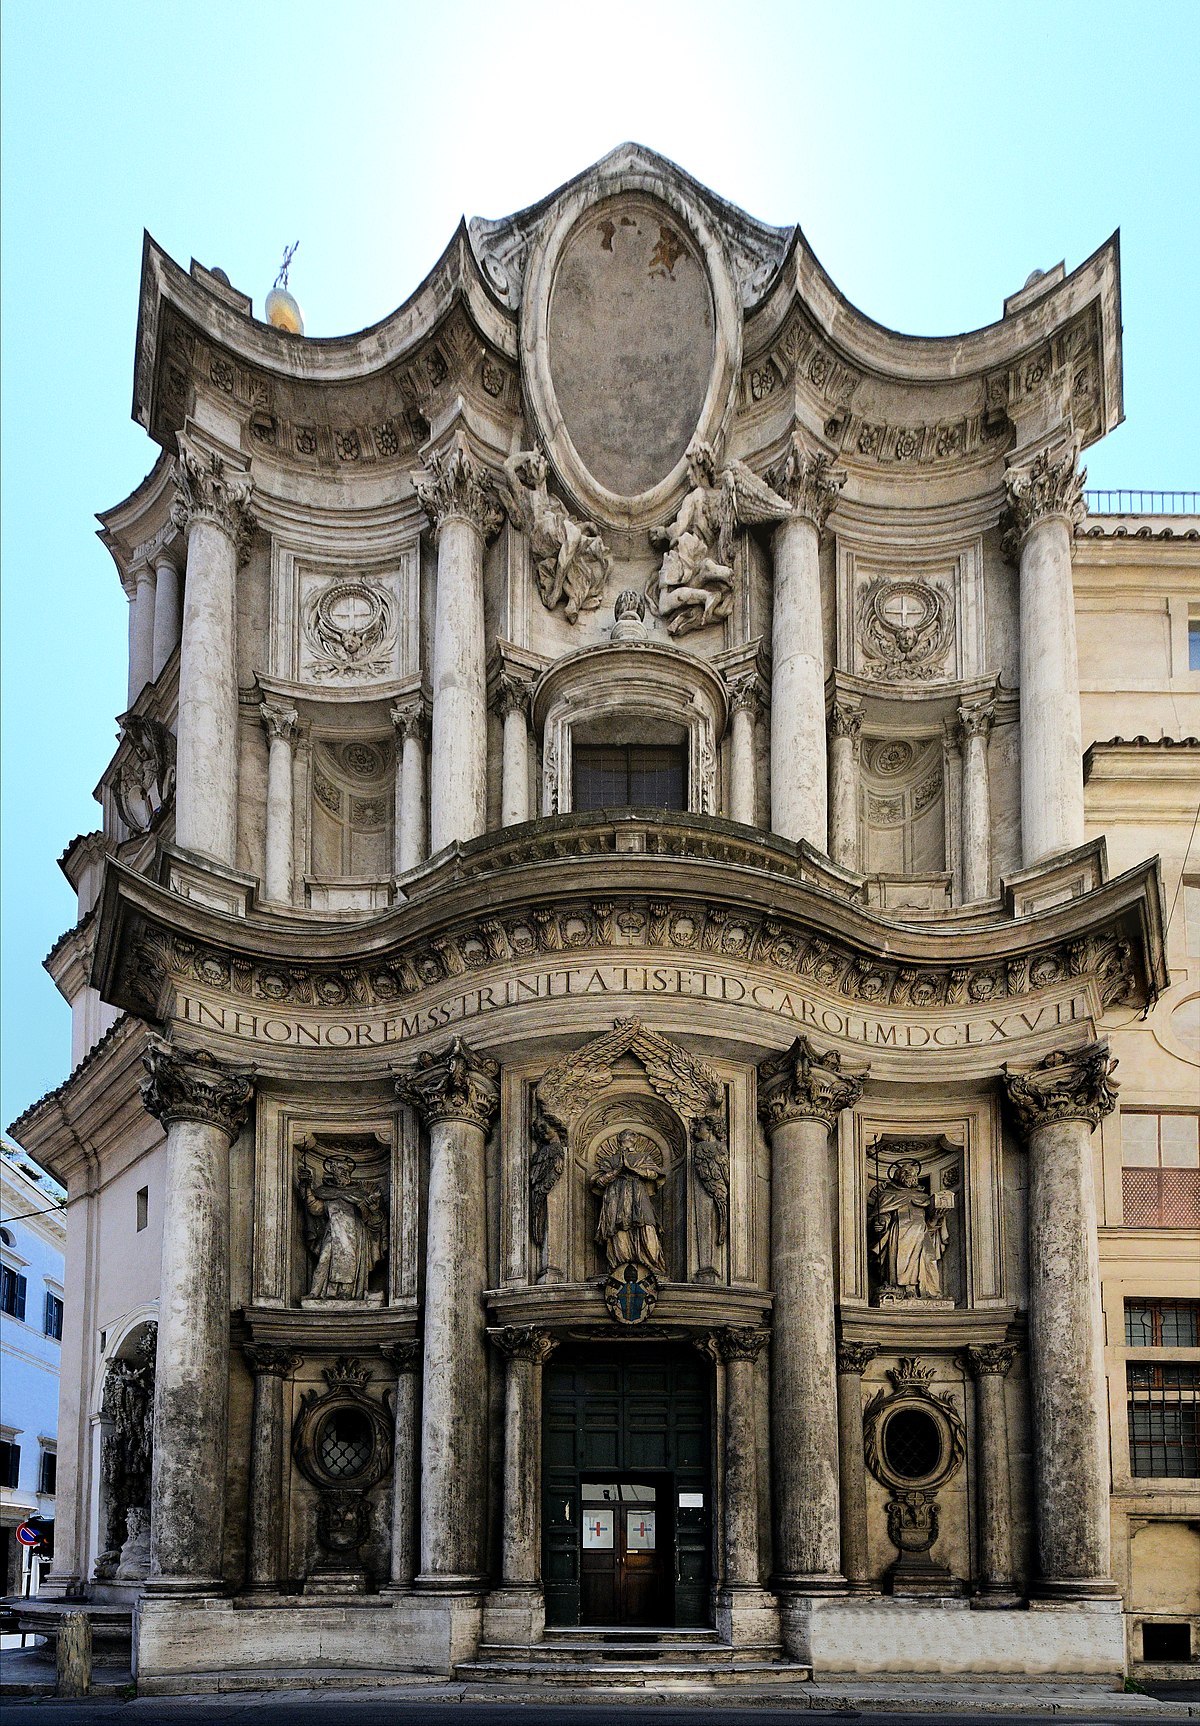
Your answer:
<point x="306" y="1441"/>
<point x="951" y="1434"/>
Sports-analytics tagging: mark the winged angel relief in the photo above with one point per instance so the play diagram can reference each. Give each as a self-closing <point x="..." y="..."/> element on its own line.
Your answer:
<point x="693" y="586"/>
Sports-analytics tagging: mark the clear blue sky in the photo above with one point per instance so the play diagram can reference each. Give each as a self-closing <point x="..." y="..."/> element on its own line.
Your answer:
<point x="933" y="153"/>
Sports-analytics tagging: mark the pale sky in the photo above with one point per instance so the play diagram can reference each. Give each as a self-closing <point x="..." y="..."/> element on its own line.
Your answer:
<point x="934" y="154"/>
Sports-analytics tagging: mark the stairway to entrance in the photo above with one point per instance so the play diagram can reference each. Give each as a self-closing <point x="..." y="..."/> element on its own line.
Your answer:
<point x="625" y="1655"/>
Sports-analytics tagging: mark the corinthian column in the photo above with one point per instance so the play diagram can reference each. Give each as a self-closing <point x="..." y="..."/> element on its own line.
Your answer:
<point x="845" y="729"/>
<point x="739" y="1349"/>
<point x="405" y="1357"/>
<point x="511" y="702"/>
<point x="456" y="1093"/>
<point x="271" y="1364"/>
<point x="853" y="1359"/>
<point x="526" y="1350"/>
<point x="1046" y="502"/>
<point x="988" y="1365"/>
<point x="1058" y="1105"/>
<point x="800" y="1095"/>
<point x="203" y="1106"/>
<point x="411" y="720"/>
<point x="460" y="501"/>
<point x="745" y="703"/>
<point x="141" y="631"/>
<point x="811" y="485"/>
<point x="212" y="507"/>
<point x="166" y="609"/>
<point x="975" y="723"/>
<point x="281" y="723"/>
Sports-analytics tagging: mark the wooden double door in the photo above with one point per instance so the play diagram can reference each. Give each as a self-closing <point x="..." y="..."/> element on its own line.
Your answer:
<point x="626" y="1486"/>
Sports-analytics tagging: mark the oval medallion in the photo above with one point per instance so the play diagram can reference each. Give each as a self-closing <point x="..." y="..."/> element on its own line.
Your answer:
<point x="630" y="335"/>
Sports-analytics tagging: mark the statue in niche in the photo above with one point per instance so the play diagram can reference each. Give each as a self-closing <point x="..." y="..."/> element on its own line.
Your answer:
<point x="571" y="561"/>
<point x="345" y="1222"/>
<point x="909" y="1233"/>
<point x="546" y="1161"/>
<point x="629" y="1170"/>
<point x="693" y="585"/>
<point x="126" y="1457"/>
<point x="710" y="1156"/>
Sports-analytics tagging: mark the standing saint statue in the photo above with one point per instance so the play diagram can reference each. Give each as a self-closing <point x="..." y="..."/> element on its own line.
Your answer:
<point x="909" y="1232"/>
<point x="628" y="1171"/>
<point x="344" y="1229"/>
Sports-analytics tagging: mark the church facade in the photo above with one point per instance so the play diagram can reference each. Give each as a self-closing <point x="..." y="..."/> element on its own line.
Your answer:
<point x="648" y="814"/>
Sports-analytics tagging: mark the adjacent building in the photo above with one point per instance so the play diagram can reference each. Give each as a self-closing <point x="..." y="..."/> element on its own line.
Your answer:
<point x="636" y="993"/>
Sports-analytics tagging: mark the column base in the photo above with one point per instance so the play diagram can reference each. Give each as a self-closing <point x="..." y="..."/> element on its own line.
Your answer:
<point x="1046" y="1591"/>
<point x="197" y="1587"/>
<point x="747" y="1617"/>
<point x="515" y="1613"/>
<point x="451" y="1582"/>
<point x="804" y="1584"/>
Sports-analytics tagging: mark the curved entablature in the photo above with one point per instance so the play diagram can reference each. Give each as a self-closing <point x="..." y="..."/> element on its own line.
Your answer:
<point x="614" y="908"/>
<point x="788" y="347"/>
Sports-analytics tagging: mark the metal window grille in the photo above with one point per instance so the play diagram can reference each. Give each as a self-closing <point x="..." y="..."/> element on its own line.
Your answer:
<point x="632" y="776"/>
<point x="1162" y="1324"/>
<point x="1164" y="1420"/>
<point x="1161" y="1198"/>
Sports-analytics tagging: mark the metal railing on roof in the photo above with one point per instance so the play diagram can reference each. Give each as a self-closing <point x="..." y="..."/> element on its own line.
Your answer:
<point x="1143" y="502"/>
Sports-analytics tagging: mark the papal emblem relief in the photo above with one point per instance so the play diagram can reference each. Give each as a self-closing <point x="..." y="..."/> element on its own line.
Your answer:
<point x="905" y="629"/>
<point x="349" y="627"/>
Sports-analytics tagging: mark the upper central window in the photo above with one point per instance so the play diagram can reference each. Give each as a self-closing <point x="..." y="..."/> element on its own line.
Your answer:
<point x="629" y="776"/>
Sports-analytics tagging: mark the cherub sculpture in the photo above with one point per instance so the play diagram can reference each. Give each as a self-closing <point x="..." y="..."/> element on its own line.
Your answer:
<point x="693" y="586"/>
<point x="571" y="561"/>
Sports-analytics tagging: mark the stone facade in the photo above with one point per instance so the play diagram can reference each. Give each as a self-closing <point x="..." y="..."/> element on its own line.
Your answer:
<point x="607" y="957"/>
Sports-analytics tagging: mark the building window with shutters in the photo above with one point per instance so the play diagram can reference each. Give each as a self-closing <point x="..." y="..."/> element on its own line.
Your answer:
<point x="12" y="1292"/>
<point x="48" y="1472"/>
<point x="52" y="1319"/>
<point x="1160" y="1176"/>
<point x="10" y="1462"/>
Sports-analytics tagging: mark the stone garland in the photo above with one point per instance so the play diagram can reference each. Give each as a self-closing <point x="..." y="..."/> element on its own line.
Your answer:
<point x="677" y="925"/>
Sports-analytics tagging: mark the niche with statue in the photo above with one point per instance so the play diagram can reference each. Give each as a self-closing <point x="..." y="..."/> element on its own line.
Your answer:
<point x="915" y="1222"/>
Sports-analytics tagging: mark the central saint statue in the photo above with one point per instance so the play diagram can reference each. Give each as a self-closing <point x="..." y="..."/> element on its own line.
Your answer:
<point x="628" y="1170"/>
<point x="344" y="1229"/>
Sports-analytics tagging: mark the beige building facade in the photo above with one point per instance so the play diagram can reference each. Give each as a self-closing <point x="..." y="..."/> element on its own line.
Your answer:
<point x="636" y="999"/>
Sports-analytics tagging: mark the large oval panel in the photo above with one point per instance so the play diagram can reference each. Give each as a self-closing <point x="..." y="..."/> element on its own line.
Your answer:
<point x="631" y="341"/>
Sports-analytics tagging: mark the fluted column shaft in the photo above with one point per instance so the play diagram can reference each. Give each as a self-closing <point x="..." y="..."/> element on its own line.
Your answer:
<point x="456" y="1093"/>
<point x="1046" y="501"/>
<point x="1058" y="1104"/>
<point x="745" y="700"/>
<point x="845" y="727"/>
<point x="460" y="500"/>
<point x="213" y="508"/>
<point x="800" y="1097"/>
<point x="853" y="1358"/>
<point x="270" y="1365"/>
<point x="141" y="631"/>
<point x="799" y="797"/>
<point x="166" y="610"/>
<point x="281" y="734"/>
<point x="988" y="1366"/>
<point x="406" y="1358"/>
<point x="203" y="1106"/>
<point x="527" y="1350"/>
<point x="740" y="1349"/>
<point x="975" y="724"/>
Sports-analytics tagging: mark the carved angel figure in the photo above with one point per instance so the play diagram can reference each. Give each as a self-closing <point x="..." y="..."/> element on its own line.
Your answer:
<point x="627" y="1173"/>
<point x="344" y="1229"/>
<point x="571" y="561"/>
<point x="710" y="1157"/>
<point x="546" y="1162"/>
<point x="909" y="1232"/>
<point x="693" y="585"/>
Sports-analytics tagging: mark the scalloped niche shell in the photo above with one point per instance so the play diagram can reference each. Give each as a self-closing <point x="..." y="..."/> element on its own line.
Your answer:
<point x="631" y="339"/>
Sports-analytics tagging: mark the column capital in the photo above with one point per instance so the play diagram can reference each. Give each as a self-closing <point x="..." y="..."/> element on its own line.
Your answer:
<point x="846" y="720"/>
<point x="524" y="1342"/>
<point x="411" y="718"/>
<point x="989" y="1359"/>
<point x="747" y="694"/>
<point x="976" y="720"/>
<point x="208" y="489"/>
<point x="271" y="1359"/>
<point x="809" y="481"/>
<point x="281" y="721"/>
<point x="405" y="1356"/>
<point x="455" y="485"/>
<point x="855" y="1357"/>
<point x="456" y="1085"/>
<point x="195" y="1087"/>
<point x="1052" y="484"/>
<point x="511" y="695"/>
<point x="733" y="1342"/>
<point x="1076" y="1086"/>
<point x="804" y="1085"/>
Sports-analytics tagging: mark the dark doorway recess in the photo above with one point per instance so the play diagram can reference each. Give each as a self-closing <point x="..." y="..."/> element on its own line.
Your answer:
<point x="627" y="1487"/>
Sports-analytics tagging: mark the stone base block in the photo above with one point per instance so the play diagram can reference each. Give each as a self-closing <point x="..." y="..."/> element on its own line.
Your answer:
<point x="514" y="1615"/>
<point x="391" y="1633"/>
<point x="747" y="1618"/>
<point x="902" y="1638"/>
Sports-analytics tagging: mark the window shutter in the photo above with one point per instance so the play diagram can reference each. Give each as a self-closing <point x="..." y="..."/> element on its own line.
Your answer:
<point x="19" y="1303"/>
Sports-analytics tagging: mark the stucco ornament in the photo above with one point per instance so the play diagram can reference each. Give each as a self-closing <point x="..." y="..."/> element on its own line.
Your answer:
<point x="905" y="628"/>
<point x="145" y="782"/>
<point x="571" y="561"/>
<point x="350" y="627"/>
<point x="345" y="1225"/>
<point x="694" y="584"/>
<point x="909" y="1234"/>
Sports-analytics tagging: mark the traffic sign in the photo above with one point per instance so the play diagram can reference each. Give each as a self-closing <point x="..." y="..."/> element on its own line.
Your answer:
<point x="29" y="1536"/>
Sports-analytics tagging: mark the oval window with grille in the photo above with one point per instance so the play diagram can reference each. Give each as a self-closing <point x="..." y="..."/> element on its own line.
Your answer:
<point x="912" y="1444"/>
<point x="345" y="1444"/>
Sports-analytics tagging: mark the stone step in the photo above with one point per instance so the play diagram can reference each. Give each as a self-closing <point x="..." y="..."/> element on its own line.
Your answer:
<point x="647" y="1674"/>
<point x="597" y="1633"/>
<point x="582" y="1651"/>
